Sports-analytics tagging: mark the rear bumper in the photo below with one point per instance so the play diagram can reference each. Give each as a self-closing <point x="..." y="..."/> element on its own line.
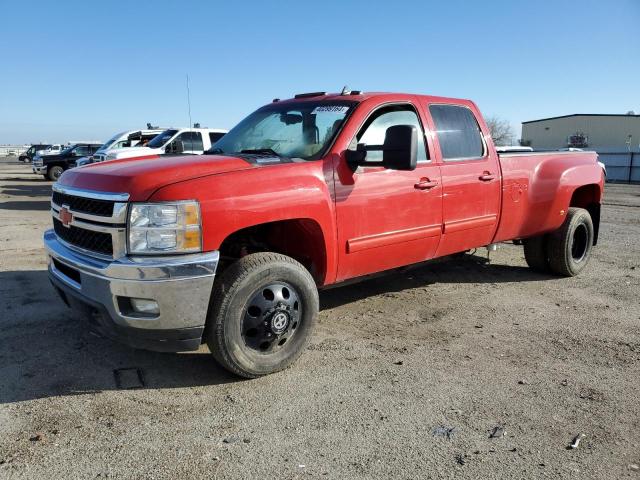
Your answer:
<point x="180" y="285"/>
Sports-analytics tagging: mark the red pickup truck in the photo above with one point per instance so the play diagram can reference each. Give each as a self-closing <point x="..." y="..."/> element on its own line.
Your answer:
<point x="230" y="248"/>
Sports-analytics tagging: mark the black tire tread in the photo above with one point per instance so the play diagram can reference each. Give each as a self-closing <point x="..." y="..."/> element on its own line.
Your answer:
<point x="558" y="240"/>
<point x="230" y="280"/>
<point x="50" y="174"/>
<point x="536" y="253"/>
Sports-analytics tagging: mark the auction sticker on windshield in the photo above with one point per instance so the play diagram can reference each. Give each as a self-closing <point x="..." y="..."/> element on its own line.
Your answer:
<point x="331" y="109"/>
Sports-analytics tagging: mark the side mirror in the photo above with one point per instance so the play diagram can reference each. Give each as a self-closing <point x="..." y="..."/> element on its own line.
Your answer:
<point x="399" y="150"/>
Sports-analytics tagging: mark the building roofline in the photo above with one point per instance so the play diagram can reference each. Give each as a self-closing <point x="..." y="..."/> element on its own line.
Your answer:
<point x="584" y="115"/>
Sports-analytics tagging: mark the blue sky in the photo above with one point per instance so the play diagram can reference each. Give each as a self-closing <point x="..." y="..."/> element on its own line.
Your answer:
<point x="85" y="70"/>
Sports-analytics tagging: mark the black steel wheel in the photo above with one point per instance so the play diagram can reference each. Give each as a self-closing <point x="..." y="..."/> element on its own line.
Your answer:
<point x="271" y="317"/>
<point x="263" y="310"/>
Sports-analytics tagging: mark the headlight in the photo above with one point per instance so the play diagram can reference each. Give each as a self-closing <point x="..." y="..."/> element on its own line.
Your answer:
<point x="173" y="227"/>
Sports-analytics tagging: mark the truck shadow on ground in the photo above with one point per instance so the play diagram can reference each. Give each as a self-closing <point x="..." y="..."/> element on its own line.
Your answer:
<point x="41" y="191"/>
<point x="47" y="350"/>
<point x="470" y="269"/>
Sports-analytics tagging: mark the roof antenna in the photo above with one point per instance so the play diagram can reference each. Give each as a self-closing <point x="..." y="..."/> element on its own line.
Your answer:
<point x="189" y="106"/>
<point x="345" y="90"/>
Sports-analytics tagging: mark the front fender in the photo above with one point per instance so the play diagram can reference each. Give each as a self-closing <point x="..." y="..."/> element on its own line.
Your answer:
<point x="234" y="201"/>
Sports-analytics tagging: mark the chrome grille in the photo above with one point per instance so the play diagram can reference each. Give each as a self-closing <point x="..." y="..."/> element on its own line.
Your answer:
<point x="98" y="223"/>
<point x="104" y="208"/>
<point x="86" y="239"/>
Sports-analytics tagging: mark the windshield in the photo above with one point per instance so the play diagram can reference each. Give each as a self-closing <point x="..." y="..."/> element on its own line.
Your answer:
<point x="295" y="130"/>
<point x="67" y="150"/>
<point x="159" y="140"/>
<point x="111" y="141"/>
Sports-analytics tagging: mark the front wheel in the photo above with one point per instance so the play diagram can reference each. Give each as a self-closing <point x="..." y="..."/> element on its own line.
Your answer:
<point x="264" y="308"/>
<point x="570" y="246"/>
<point x="54" y="173"/>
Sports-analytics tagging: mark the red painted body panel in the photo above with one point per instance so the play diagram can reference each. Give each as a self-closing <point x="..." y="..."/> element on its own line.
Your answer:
<point x="141" y="176"/>
<point x="537" y="190"/>
<point x="371" y="219"/>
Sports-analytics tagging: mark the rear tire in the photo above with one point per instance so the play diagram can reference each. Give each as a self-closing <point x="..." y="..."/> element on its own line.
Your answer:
<point x="263" y="310"/>
<point x="536" y="253"/>
<point x="54" y="173"/>
<point x="570" y="246"/>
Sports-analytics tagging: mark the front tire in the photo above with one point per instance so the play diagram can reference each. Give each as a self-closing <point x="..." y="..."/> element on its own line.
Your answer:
<point x="264" y="308"/>
<point x="54" y="173"/>
<point x="570" y="246"/>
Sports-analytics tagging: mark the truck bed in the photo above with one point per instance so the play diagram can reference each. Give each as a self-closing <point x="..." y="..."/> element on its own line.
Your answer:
<point x="536" y="187"/>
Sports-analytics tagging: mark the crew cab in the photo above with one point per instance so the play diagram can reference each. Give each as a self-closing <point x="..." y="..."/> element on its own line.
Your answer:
<point x="52" y="166"/>
<point x="126" y="139"/>
<point x="173" y="140"/>
<point x="231" y="247"/>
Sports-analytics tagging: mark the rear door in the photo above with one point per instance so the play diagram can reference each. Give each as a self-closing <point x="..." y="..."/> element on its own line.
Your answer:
<point x="470" y="179"/>
<point x="387" y="218"/>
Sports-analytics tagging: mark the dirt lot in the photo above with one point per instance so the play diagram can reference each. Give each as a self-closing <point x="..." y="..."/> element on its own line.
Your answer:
<point x="407" y="375"/>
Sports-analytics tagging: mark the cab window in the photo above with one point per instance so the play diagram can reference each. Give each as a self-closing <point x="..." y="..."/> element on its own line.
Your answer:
<point x="81" y="151"/>
<point x="458" y="132"/>
<point x="192" y="141"/>
<point x="215" y="136"/>
<point x="374" y="129"/>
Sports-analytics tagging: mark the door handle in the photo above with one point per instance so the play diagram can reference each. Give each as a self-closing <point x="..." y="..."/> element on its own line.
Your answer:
<point x="425" y="184"/>
<point x="486" y="176"/>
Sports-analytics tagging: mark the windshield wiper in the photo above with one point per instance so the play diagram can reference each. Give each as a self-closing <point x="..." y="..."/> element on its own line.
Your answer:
<point x="214" y="151"/>
<point x="267" y="151"/>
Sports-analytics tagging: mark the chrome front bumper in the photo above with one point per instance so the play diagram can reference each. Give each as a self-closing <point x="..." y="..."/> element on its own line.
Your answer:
<point x="181" y="286"/>
<point x="41" y="169"/>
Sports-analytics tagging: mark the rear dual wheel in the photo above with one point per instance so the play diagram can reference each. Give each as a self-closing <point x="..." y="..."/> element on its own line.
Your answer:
<point x="264" y="309"/>
<point x="567" y="250"/>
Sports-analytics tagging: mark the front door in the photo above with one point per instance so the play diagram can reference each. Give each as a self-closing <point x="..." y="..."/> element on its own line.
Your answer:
<point x="470" y="180"/>
<point x="387" y="218"/>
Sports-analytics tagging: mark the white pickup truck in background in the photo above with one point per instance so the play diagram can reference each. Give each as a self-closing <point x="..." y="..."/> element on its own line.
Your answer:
<point x="126" y="139"/>
<point x="52" y="150"/>
<point x="191" y="140"/>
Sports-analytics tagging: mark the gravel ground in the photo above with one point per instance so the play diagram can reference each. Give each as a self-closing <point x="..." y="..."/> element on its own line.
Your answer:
<point x="407" y="376"/>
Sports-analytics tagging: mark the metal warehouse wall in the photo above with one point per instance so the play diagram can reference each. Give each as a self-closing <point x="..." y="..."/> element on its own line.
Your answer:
<point x="606" y="133"/>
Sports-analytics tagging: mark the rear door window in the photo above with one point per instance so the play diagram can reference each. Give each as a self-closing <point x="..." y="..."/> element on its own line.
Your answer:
<point x="458" y="132"/>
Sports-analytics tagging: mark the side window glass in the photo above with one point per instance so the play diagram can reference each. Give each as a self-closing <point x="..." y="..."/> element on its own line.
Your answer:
<point x="81" y="151"/>
<point x="215" y="136"/>
<point x="458" y="132"/>
<point x="192" y="141"/>
<point x="374" y="130"/>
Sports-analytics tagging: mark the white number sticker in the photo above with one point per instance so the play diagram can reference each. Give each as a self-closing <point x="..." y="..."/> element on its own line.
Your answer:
<point x="331" y="109"/>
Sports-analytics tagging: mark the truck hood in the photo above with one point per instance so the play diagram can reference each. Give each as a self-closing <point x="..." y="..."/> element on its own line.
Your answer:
<point x="141" y="177"/>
